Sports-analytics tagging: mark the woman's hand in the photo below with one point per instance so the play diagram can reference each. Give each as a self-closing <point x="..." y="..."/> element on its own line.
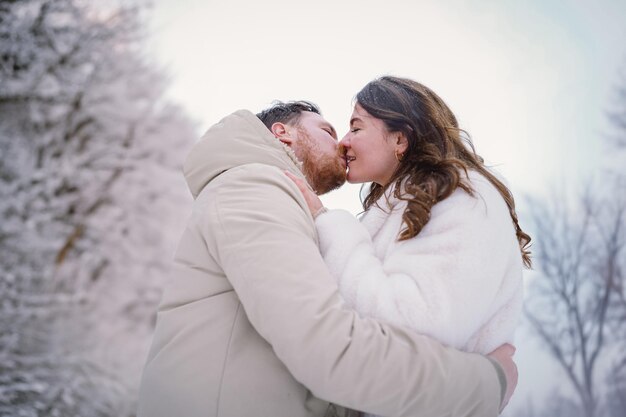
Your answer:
<point x="312" y="200"/>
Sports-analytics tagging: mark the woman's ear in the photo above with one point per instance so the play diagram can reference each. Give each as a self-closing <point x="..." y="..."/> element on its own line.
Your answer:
<point x="280" y="131"/>
<point x="402" y="143"/>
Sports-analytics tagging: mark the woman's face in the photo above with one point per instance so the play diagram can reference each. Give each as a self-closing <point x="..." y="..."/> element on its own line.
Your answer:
<point x="370" y="149"/>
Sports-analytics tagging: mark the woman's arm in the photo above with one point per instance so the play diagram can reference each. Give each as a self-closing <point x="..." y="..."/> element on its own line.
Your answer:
<point x="443" y="283"/>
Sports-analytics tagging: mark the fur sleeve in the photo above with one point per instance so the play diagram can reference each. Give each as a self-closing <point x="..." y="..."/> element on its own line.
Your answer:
<point x="446" y="282"/>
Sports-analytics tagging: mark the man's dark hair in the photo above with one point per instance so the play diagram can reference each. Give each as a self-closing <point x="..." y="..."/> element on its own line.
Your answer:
<point x="288" y="112"/>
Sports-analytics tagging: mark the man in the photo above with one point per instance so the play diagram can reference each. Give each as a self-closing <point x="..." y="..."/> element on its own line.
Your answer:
<point x="252" y="323"/>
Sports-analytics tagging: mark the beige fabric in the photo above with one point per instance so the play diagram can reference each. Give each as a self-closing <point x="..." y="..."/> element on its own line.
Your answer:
<point x="251" y="323"/>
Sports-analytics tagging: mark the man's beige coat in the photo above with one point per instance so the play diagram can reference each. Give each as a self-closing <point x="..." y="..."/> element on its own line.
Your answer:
<point x="252" y="323"/>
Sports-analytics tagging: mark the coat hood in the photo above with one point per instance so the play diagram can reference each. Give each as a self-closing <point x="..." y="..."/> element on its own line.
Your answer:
<point x="238" y="139"/>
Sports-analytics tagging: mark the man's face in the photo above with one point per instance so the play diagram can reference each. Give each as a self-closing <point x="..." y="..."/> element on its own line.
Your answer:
<point x="315" y="144"/>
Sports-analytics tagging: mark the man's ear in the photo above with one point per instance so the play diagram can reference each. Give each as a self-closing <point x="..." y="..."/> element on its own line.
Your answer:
<point x="280" y="131"/>
<point x="402" y="143"/>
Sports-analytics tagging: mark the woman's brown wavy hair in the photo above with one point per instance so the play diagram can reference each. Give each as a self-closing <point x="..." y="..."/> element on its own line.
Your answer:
<point x="430" y="169"/>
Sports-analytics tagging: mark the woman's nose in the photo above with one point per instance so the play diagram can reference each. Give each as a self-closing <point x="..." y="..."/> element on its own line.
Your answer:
<point x="345" y="141"/>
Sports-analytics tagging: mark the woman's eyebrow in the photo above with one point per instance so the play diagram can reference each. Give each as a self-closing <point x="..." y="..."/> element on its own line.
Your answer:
<point x="355" y="119"/>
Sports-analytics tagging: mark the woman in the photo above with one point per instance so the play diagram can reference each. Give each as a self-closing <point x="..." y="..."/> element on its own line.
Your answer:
<point x="439" y="248"/>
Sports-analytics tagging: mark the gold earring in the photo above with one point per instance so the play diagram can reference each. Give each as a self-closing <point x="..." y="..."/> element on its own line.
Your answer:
<point x="399" y="156"/>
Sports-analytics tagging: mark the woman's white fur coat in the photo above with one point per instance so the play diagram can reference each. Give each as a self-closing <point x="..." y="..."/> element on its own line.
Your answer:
<point x="459" y="280"/>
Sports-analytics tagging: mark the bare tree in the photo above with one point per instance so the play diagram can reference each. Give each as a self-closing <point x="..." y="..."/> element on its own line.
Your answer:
<point x="616" y="380"/>
<point x="578" y="305"/>
<point x="574" y="305"/>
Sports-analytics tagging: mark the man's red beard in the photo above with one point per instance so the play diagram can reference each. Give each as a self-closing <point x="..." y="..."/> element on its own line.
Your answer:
<point x="323" y="172"/>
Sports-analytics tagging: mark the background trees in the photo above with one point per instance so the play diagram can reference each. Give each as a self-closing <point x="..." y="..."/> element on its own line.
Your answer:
<point x="89" y="188"/>
<point x="577" y="306"/>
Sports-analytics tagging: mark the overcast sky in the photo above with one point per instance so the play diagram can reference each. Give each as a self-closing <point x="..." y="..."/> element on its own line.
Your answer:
<point x="530" y="80"/>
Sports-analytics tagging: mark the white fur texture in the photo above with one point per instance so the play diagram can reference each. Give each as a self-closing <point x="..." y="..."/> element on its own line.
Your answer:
<point x="459" y="280"/>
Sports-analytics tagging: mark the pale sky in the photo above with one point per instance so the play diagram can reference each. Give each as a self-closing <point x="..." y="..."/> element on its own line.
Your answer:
<point x="530" y="81"/>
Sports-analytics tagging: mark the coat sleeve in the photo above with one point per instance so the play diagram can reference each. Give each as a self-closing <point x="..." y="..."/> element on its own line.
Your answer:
<point x="443" y="283"/>
<point x="259" y="229"/>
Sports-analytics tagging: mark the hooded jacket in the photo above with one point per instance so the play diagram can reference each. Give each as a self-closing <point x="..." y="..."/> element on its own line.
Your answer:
<point x="252" y="323"/>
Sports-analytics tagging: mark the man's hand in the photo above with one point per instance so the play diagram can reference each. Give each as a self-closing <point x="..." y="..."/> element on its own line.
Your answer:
<point x="504" y="356"/>
<point x="312" y="200"/>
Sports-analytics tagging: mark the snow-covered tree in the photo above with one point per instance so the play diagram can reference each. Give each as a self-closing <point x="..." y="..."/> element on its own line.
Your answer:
<point x="91" y="199"/>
